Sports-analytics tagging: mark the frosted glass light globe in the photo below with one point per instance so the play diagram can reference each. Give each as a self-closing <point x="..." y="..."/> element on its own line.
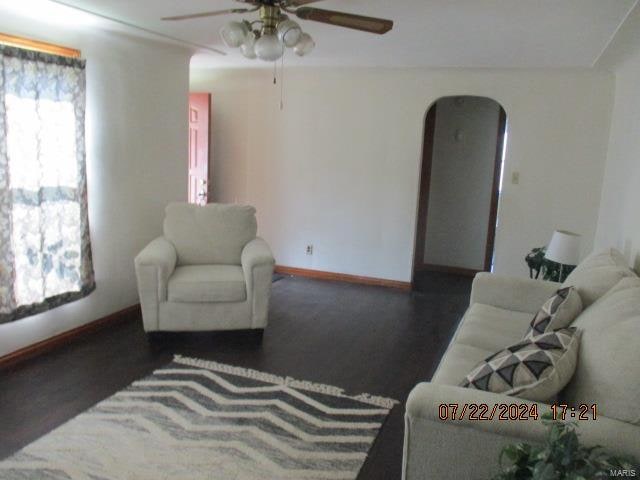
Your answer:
<point x="248" y="47"/>
<point x="289" y="33"/>
<point x="234" y="33"/>
<point x="305" y="45"/>
<point x="269" y="48"/>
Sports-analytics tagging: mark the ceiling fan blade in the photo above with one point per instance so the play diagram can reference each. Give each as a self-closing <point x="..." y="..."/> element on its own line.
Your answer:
<point x="347" y="20"/>
<point x="299" y="3"/>
<point x="207" y="14"/>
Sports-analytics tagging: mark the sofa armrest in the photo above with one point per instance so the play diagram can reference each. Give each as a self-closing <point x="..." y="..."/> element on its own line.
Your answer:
<point x="511" y="293"/>
<point x="425" y="399"/>
<point x="436" y="448"/>
<point x="154" y="265"/>
<point x="257" y="265"/>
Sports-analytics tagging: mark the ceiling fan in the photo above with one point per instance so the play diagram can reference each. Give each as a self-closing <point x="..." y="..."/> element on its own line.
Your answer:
<point x="267" y="37"/>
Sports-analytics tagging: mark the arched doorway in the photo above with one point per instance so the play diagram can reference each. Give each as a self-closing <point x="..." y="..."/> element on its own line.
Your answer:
<point x="463" y="150"/>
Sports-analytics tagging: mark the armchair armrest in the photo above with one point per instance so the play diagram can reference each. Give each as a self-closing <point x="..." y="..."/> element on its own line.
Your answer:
<point x="511" y="293"/>
<point x="257" y="265"/>
<point x="436" y="448"/>
<point x="154" y="265"/>
<point x="255" y="253"/>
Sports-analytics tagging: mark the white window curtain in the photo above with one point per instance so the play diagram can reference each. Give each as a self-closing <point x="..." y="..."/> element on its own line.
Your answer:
<point x="45" y="250"/>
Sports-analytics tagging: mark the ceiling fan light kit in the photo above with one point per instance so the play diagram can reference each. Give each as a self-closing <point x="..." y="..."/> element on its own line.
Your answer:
<point x="268" y="37"/>
<point x="289" y="33"/>
<point x="305" y="45"/>
<point x="234" y="34"/>
<point x="248" y="48"/>
<point x="273" y="33"/>
<point x="269" y="47"/>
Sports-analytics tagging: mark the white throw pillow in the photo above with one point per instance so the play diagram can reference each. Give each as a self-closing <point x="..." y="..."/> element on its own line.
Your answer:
<point x="558" y="312"/>
<point x="597" y="274"/>
<point x="535" y="369"/>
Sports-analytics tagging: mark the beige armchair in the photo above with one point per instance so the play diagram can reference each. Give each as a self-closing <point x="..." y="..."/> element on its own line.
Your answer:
<point x="208" y="271"/>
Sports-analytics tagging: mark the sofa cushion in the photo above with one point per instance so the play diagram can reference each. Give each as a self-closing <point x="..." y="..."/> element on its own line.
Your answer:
<point x="207" y="283"/>
<point x="483" y="330"/>
<point x="457" y="362"/>
<point x="211" y="234"/>
<point x="597" y="274"/>
<point x="534" y="369"/>
<point x="609" y="359"/>
<point x="557" y="312"/>
<point x="491" y="328"/>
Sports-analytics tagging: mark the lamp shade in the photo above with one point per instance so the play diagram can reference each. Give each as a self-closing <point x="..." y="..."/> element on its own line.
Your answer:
<point x="563" y="248"/>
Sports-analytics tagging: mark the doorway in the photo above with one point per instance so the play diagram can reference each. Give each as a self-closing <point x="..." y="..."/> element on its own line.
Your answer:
<point x="198" y="190"/>
<point x="462" y="158"/>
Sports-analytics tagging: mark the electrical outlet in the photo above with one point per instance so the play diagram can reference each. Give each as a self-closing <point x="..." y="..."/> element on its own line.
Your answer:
<point x="309" y="249"/>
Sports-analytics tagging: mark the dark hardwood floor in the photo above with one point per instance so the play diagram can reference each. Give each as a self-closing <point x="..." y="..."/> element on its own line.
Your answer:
<point x="430" y="281"/>
<point x="361" y="338"/>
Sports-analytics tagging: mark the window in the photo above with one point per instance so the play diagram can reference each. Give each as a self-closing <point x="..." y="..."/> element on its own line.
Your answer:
<point x="45" y="252"/>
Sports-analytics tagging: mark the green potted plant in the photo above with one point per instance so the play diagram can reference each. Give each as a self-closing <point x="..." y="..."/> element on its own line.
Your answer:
<point x="562" y="457"/>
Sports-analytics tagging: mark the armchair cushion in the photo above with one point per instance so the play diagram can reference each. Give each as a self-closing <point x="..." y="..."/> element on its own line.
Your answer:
<point x="213" y="234"/>
<point x="207" y="283"/>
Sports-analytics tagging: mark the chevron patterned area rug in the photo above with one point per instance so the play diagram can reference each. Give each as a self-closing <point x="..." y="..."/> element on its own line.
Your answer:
<point x="195" y="419"/>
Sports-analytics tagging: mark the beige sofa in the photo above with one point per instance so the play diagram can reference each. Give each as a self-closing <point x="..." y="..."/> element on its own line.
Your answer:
<point x="608" y="372"/>
<point x="208" y="271"/>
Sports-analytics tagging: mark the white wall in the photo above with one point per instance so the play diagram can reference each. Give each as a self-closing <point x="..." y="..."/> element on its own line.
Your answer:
<point x="461" y="187"/>
<point x="619" y="221"/>
<point x="339" y="167"/>
<point x="136" y="163"/>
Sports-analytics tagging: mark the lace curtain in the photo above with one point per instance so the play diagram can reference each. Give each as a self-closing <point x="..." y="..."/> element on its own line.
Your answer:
<point x="45" y="251"/>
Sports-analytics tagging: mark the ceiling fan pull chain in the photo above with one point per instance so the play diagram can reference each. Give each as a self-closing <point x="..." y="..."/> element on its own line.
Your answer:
<point x="275" y="72"/>
<point x="282" y="82"/>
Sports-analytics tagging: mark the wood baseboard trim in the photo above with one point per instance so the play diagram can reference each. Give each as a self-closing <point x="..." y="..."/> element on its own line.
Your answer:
<point x="125" y="315"/>
<point x="342" y="277"/>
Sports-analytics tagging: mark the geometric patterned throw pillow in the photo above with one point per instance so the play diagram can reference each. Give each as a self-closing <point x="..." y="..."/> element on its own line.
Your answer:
<point x="557" y="312"/>
<point x="534" y="369"/>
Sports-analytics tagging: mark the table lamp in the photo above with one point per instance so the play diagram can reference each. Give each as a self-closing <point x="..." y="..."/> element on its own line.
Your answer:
<point x="563" y="249"/>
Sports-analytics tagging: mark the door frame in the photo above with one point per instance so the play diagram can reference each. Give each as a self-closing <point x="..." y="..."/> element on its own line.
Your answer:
<point x="424" y="190"/>
<point x="495" y="190"/>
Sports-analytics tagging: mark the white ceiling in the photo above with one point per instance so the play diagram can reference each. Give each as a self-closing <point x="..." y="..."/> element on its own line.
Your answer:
<point x="427" y="33"/>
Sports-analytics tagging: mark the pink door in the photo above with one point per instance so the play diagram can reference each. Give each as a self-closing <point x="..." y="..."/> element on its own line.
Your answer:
<point x="199" y="121"/>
